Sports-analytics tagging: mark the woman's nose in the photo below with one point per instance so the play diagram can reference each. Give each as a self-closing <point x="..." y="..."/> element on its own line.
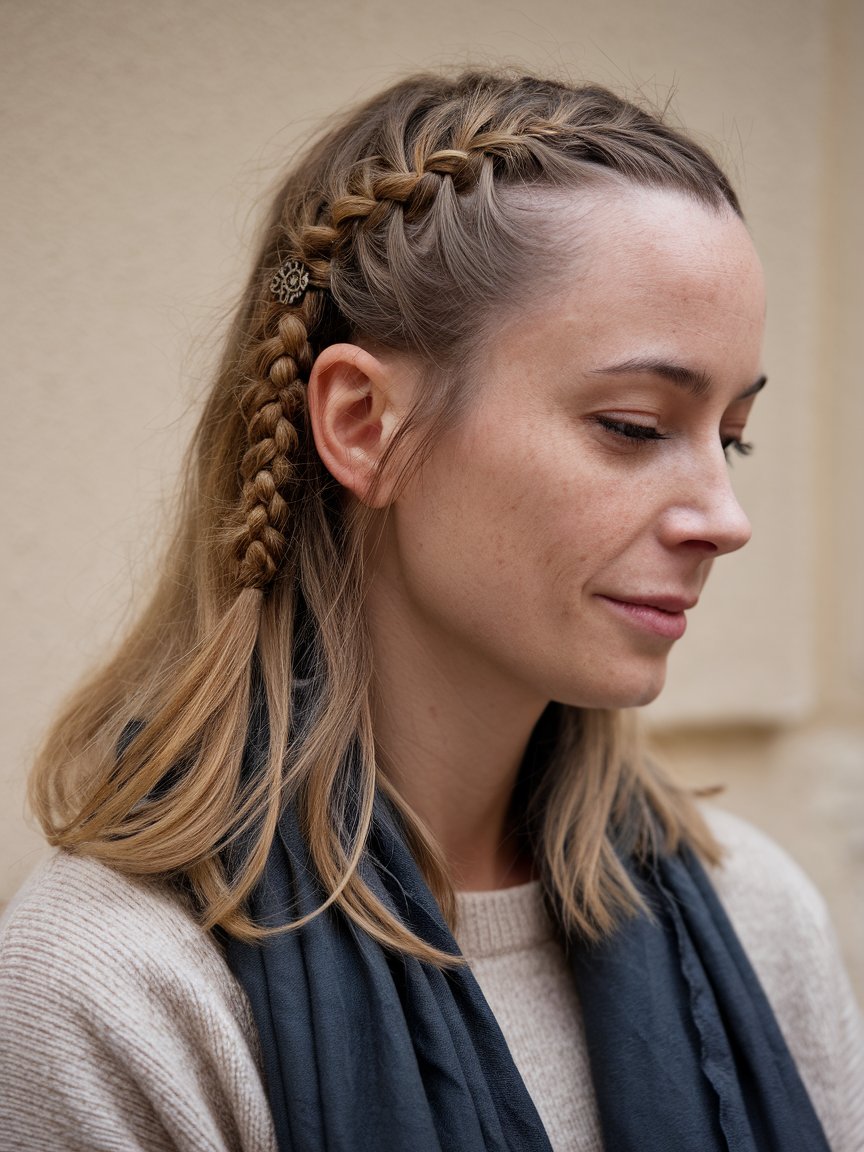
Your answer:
<point x="705" y="512"/>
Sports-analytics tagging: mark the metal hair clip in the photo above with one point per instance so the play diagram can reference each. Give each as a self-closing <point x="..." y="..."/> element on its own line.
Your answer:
<point x="290" y="282"/>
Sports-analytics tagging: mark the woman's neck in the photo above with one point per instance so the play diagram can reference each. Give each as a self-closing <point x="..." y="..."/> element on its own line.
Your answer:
<point x="452" y="737"/>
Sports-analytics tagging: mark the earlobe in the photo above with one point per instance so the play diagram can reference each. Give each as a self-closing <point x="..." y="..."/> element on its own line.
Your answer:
<point x="352" y="415"/>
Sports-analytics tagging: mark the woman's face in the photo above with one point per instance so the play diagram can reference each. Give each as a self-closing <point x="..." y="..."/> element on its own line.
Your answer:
<point x="556" y="535"/>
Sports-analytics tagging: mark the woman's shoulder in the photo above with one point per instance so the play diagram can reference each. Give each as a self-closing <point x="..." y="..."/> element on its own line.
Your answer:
<point x="120" y="1006"/>
<point x="72" y="886"/>
<point x="758" y="881"/>
<point x="778" y="913"/>
<point x="90" y="944"/>
<point x="75" y="915"/>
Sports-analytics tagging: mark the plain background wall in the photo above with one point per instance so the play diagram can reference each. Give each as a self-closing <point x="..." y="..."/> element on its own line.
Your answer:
<point x="137" y="143"/>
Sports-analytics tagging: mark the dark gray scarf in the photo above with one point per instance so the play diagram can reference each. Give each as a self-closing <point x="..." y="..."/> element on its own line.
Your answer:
<point x="366" y="1049"/>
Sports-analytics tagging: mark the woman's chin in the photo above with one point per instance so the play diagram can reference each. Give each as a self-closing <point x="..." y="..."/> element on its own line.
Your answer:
<point x="618" y="692"/>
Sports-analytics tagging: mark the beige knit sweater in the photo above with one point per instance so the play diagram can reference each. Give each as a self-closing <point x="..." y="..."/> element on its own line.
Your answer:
<point x="122" y="1028"/>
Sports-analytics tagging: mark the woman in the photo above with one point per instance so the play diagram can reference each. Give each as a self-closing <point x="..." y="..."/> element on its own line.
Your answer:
<point x="461" y="474"/>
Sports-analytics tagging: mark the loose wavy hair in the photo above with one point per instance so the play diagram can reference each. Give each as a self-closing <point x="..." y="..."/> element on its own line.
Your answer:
<point x="419" y="217"/>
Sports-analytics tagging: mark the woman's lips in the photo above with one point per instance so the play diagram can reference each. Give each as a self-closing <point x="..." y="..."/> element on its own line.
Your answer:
<point x="664" y="616"/>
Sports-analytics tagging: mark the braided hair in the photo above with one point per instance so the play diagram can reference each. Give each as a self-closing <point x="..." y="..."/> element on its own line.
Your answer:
<point x="407" y="226"/>
<point x="402" y="219"/>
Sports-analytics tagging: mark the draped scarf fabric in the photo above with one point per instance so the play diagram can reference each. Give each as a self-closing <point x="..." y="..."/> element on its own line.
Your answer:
<point x="366" y="1049"/>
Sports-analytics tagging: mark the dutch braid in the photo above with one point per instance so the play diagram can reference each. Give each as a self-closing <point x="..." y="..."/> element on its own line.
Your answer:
<point x="414" y="190"/>
<point x="273" y="403"/>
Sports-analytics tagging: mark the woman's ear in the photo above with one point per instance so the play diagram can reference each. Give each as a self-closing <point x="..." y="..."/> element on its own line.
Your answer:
<point x="352" y="407"/>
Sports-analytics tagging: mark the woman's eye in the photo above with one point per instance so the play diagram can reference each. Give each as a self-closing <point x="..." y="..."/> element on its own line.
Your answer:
<point x="636" y="433"/>
<point x="741" y="447"/>
<point x="629" y="431"/>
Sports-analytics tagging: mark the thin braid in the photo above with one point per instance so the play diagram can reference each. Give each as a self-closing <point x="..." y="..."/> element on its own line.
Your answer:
<point x="415" y="190"/>
<point x="274" y="408"/>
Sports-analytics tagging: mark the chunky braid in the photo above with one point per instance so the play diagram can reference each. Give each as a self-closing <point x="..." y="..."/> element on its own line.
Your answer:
<point x="274" y="409"/>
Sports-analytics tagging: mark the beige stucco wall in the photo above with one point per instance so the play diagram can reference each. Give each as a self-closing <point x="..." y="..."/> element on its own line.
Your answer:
<point x="141" y="137"/>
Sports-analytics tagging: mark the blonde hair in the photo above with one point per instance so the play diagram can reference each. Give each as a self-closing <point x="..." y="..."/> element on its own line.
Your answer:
<point x="416" y="218"/>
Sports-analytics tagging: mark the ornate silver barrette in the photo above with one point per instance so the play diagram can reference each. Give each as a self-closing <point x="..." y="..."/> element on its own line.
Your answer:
<point x="290" y="282"/>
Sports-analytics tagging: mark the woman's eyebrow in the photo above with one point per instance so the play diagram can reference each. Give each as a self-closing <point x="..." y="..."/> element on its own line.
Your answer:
<point x="693" y="380"/>
<point x="755" y="387"/>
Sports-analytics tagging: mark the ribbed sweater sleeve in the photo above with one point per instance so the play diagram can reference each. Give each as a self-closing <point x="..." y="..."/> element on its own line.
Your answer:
<point x="120" y="1025"/>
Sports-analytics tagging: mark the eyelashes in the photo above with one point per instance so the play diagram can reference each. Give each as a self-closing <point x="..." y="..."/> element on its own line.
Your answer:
<point x="642" y="433"/>
<point x="630" y="431"/>
<point x="740" y="447"/>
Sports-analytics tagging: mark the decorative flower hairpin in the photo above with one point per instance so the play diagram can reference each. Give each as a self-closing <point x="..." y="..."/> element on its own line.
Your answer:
<point x="290" y="282"/>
